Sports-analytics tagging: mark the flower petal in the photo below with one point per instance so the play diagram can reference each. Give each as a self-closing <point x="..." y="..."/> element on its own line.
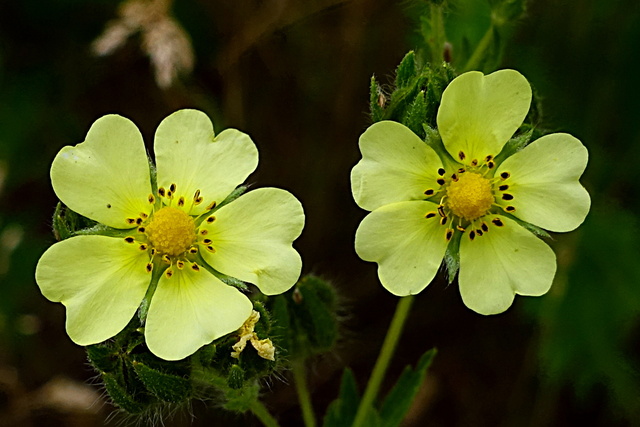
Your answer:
<point x="191" y="309"/>
<point x="407" y="246"/>
<point x="105" y="178"/>
<point x="396" y="166"/>
<point x="189" y="155"/>
<point x="252" y="237"/>
<point x="544" y="182"/>
<point x="504" y="261"/>
<point x="101" y="280"/>
<point x="478" y="114"/>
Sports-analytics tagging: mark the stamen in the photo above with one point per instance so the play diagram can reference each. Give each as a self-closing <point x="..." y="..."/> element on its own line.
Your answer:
<point x="474" y="162"/>
<point x="172" y="188"/>
<point x="488" y="158"/>
<point x="510" y="209"/>
<point x="484" y="227"/>
<point x="207" y="241"/>
<point x="448" y="234"/>
<point x="211" y="205"/>
<point x="131" y="221"/>
<point x="443" y="220"/>
<point x="505" y="175"/>
<point x="461" y="155"/>
<point x="454" y="177"/>
<point x="430" y="215"/>
<point x="462" y="170"/>
<point x="491" y="164"/>
<point x="138" y="221"/>
<point x="180" y="264"/>
<point x="181" y="201"/>
<point x="441" y="211"/>
<point x="151" y="199"/>
<point x="195" y="267"/>
<point x="204" y="232"/>
<point x="141" y="229"/>
<point x="479" y="232"/>
<point x="143" y="215"/>
<point x="441" y="171"/>
<point x="440" y="181"/>
<point x="211" y="249"/>
<point x="166" y="259"/>
<point x="149" y="267"/>
<point x="129" y="239"/>
<point x="429" y="192"/>
<point x="211" y="219"/>
<point x="144" y="247"/>
<point x="168" y="273"/>
<point x="497" y="222"/>
<point x="503" y="187"/>
<point x="193" y="250"/>
<point x="462" y="229"/>
<point x="507" y="196"/>
<point x="161" y="192"/>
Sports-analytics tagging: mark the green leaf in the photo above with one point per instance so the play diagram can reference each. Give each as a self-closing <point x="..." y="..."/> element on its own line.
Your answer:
<point x="416" y="115"/>
<point x="342" y="411"/>
<point x="123" y="398"/>
<point x="398" y="401"/>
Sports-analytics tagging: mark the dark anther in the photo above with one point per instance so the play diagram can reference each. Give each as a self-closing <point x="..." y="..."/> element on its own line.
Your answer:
<point x="169" y="273"/>
<point x="131" y="220"/>
<point x="161" y="192"/>
<point x="440" y="181"/>
<point x="460" y="228"/>
<point x="204" y="232"/>
<point x="443" y="220"/>
<point x="196" y="195"/>
<point x="211" y="205"/>
<point x="195" y="267"/>
<point x="507" y="196"/>
<point x="108" y="206"/>
<point x="472" y="234"/>
<point x="210" y="249"/>
<point x="441" y="210"/>
<point x="198" y="200"/>
<point x="497" y="222"/>
<point x="138" y="220"/>
<point x="166" y="259"/>
<point x="172" y="188"/>
<point x="181" y="201"/>
<point x="430" y="215"/>
<point x="461" y="155"/>
<point x="211" y="219"/>
<point x="441" y="171"/>
<point x="479" y="232"/>
<point x="510" y="209"/>
<point x="449" y="234"/>
<point x="454" y="177"/>
<point x="429" y="192"/>
<point x="488" y="158"/>
<point x="141" y="229"/>
<point x="207" y="241"/>
<point x="180" y="264"/>
<point x="462" y="170"/>
<point x="153" y="251"/>
<point x="151" y="199"/>
<point x="169" y="194"/>
<point x="129" y="239"/>
<point x="149" y="267"/>
<point x="143" y="247"/>
<point x="484" y="227"/>
<point x="193" y="250"/>
<point x="505" y="175"/>
<point x="474" y="162"/>
<point x="503" y="187"/>
<point x="491" y="165"/>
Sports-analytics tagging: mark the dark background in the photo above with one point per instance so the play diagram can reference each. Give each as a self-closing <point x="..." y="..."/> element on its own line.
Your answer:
<point x="295" y="76"/>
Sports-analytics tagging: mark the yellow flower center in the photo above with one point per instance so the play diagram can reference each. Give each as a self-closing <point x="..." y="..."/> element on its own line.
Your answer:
<point x="171" y="231"/>
<point x="470" y="196"/>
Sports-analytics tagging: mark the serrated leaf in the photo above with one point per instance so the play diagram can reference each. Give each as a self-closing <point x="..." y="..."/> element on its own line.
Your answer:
<point x="399" y="400"/>
<point x="342" y="411"/>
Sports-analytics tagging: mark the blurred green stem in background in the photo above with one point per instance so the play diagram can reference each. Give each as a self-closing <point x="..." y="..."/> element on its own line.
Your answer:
<point x="260" y="411"/>
<point x="479" y="54"/>
<point x="300" y="378"/>
<point x="386" y="353"/>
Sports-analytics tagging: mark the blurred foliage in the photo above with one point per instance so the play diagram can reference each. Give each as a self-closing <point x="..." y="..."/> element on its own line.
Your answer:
<point x="296" y="76"/>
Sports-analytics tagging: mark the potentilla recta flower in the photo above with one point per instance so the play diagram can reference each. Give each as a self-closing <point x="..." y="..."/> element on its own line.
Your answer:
<point x="172" y="234"/>
<point x="423" y="199"/>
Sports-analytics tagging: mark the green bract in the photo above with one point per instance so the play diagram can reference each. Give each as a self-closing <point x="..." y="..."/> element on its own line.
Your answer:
<point x="174" y="232"/>
<point x="459" y="197"/>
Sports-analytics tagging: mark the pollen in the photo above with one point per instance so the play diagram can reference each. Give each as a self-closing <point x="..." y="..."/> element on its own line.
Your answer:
<point x="171" y="231"/>
<point x="470" y="196"/>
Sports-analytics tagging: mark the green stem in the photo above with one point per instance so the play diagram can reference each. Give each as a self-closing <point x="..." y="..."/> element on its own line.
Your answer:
<point x="261" y="412"/>
<point x="476" y="58"/>
<point x="386" y="353"/>
<point x="439" y="37"/>
<point x="299" y="376"/>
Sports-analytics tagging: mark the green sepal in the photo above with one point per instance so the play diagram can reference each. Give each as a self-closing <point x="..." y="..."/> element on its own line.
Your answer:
<point x="415" y="115"/>
<point x="398" y="401"/>
<point x="235" y="379"/>
<point x="168" y="387"/>
<point x="263" y="327"/>
<point x="121" y="397"/>
<point x="452" y="256"/>
<point x="514" y="145"/>
<point x="207" y="354"/>
<point x="239" y="191"/>
<point x="66" y="223"/>
<point x="406" y="70"/>
<point x="342" y="411"/>
<point x="377" y="101"/>
<point x="103" y="357"/>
